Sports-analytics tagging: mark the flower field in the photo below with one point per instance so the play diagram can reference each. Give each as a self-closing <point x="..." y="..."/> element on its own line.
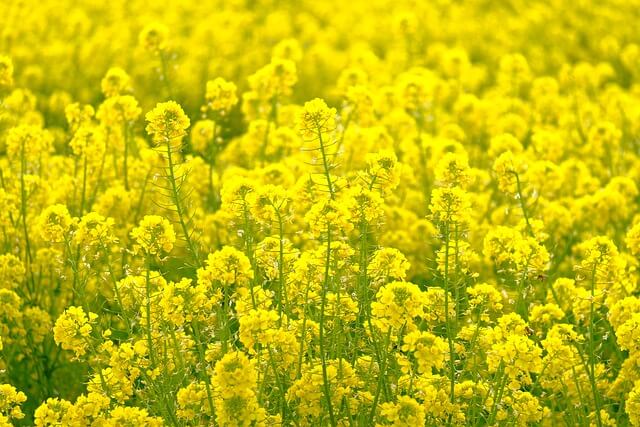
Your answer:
<point x="297" y="213"/>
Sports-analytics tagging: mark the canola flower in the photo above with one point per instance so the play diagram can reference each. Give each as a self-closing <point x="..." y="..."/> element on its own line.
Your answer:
<point x="319" y="213"/>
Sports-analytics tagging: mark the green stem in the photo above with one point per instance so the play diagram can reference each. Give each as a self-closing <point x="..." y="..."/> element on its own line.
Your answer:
<point x="304" y="329"/>
<point x="84" y="184"/>
<point x="383" y="375"/>
<point x="452" y="369"/>
<point x="23" y="211"/>
<point x="164" y="68"/>
<point x="325" y="162"/>
<point x="272" y="118"/>
<point x="203" y="364"/>
<point x="126" y="155"/>
<point x="212" y="162"/>
<point x="592" y="356"/>
<point x="175" y="192"/>
<point x="282" y="291"/>
<point x="325" y="378"/>
<point x="502" y="382"/>
<point x="148" y="313"/>
<point x="523" y="206"/>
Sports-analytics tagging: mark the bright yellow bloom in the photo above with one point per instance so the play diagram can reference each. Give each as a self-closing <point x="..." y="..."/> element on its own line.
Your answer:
<point x="73" y="328"/>
<point x="235" y="384"/>
<point x="226" y="267"/>
<point x="154" y="235"/>
<point x="55" y="222"/>
<point x="632" y="405"/>
<point x="407" y="412"/>
<point x="396" y="305"/>
<point x="429" y="350"/>
<point x="10" y="401"/>
<point x="316" y="120"/>
<point x="167" y="123"/>
<point x="450" y="205"/>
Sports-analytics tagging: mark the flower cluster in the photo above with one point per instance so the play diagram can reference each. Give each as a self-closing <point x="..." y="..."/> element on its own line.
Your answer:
<point x="364" y="213"/>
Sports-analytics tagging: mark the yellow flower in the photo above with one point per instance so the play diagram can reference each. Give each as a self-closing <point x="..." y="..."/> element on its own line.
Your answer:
<point x="306" y="392"/>
<point x="167" y="123"/>
<point x="326" y="215"/>
<point x="453" y="170"/>
<point x="115" y="82"/>
<point x="154" y="235"/>
<point x="78" y="115"/>
<point x="396" y="306"/>
<point x="127" y="415"/>
<point x="220" y="96"/>
<point x="383" y="169"/>
<point x="274" y="79"/>
<point x="508" y="169"/>
<point x="430" y="351"/>
<point x="628" y="334"/>
<point x="316" y="120"/>
<point x="632" y="405"/>
<point x="52" y="412"/>
<point x="118" y="109"/>
<point x="153" y="37"/>
<point x="191" y="400"/>
<point x="202" y="134"/>
<point x="89" y="142"/>
<point x="518" y="356"/>
<point x="10" y="401"/>
<point x="486" y="298"/>
<point x="72" y="330"/>
<point x="55" y="222"/>
<point x="268" y="204"/>
<point x="6" y="72"/>
<point x="633" y="239"/>
<point x="388" y="263"/>
<point x="406" y="412"/>
<point x="12" y="271"/>
<point x="450" y="205"/>
<point x="28" y="141"/>
<point x="227" y="267"/>
<point x="235" y="385"/>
